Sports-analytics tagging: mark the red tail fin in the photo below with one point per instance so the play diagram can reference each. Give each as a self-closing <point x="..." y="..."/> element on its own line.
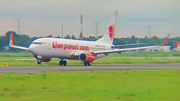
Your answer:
<point x="176" y="45"/>
<point x="165" y="41"/>
<point x="11" y="40"/>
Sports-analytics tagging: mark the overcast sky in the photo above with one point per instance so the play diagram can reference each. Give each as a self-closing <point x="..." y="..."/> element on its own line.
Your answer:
<point x="44" y="17"/>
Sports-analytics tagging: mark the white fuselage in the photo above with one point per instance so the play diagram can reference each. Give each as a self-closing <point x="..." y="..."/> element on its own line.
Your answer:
<point x="176" y="49"/>
<point x="160" y="49"/>
<point x="64" y="48"/>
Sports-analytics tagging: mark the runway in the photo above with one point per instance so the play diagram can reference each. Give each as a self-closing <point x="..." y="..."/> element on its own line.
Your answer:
<point x="35" y="69"/>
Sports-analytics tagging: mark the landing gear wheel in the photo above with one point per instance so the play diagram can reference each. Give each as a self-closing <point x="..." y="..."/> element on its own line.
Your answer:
<point x="39" y="62"/>
<point x="62" y="62"/>
<point x="87" y="63"/>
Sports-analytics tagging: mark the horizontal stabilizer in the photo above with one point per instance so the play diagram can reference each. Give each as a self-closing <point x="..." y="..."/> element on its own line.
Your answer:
<point x="19" y="47"/>
<point x="12" y="45"/>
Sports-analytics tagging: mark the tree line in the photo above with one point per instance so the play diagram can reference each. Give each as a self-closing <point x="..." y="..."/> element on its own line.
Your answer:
<point x="25" y="40"/>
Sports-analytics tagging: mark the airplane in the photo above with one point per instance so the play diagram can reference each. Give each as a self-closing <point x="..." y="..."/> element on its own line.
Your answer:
<point x="163" y="47"/>
<point x="177" y="47"/>
<point x="44" y="49"/>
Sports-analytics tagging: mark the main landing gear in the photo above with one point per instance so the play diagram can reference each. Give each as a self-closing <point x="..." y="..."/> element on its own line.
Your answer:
<point x="62" y="62"/>
<point x="87" y="63"/>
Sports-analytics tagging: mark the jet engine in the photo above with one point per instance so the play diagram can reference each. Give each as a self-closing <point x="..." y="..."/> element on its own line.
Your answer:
<point x="86" y="57"/>
<point x="42" y="59"/>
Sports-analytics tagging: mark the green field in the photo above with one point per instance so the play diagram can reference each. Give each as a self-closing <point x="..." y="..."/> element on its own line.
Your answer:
<point x="147" y="54"/>
<point x="9" y="55"/>
<point x="54" y="62"/>
<point x="137" y="54"/>
<point x="126" y="85"/>
<point x="115" y="58"/>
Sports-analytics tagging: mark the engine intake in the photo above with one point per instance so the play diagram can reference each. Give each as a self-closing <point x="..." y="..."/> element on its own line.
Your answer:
<point x="86" y="57"/>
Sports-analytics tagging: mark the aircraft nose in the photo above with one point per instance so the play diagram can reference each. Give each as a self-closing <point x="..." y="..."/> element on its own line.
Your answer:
<point x="33" y="48"/>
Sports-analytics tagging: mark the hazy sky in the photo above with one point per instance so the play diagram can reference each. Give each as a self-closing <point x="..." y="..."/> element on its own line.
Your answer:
<point x="44" y="17"/>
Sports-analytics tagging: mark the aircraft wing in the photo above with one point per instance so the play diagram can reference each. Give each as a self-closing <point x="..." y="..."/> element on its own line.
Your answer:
<point x="122" y="50"/>
<point x="117" y="46"/>
<point x="11" y="44"/>
<point x="114" y="50"/>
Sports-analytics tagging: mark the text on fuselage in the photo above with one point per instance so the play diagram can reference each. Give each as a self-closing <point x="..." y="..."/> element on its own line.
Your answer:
<point x="69" y="46"/>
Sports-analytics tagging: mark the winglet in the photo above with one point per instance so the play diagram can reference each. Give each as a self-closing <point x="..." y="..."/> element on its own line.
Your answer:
<point x="165" y="41"/>
<point x="11" y="40"/>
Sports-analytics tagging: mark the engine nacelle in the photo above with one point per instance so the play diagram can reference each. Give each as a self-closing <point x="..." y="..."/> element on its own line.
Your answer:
<point x="46" y="59"/>
<point x="42" y="59"/>
<point x="86" y="57"/>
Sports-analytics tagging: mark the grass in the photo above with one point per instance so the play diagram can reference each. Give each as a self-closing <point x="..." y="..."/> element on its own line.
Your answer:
<point x="136" y="54"/>
<point x="12" y="54"/>
<point x="111" y="59"/>
<point x="126" y="85"/>
<point x="55" y="62"/>
<point x="146" y="54"/>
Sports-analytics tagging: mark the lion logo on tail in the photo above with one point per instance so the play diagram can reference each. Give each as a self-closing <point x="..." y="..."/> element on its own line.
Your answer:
<point x="111" y="32"/>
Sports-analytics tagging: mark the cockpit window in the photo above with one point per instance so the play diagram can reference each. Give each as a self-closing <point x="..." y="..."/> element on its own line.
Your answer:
<point x="37" y="43"/>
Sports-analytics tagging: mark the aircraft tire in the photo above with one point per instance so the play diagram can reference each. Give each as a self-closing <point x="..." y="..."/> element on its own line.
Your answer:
<point x="39" y="62"/>
<point x="89" y="64"/>
<point x="85" y="63"/>
<point x="64" y="63"/>
<point x="60" y="63"/>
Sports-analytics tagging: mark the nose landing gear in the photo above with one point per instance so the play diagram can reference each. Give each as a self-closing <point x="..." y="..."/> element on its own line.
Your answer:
<point x="62" y="62"/>
<point x="39" y="59"/>
<point x="39" y="62"/>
